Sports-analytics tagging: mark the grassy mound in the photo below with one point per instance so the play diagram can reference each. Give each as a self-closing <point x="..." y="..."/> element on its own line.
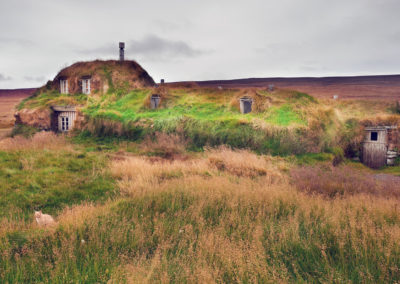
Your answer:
<point x="277" y="124"/>
<point x="282" y="122"/>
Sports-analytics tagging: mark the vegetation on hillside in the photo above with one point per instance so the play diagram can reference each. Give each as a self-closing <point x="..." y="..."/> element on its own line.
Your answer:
<point x="153" y="212"/>
<point x="144" y="196"/>
<point x="281" y="123"/>
<point x="50" y="98"/>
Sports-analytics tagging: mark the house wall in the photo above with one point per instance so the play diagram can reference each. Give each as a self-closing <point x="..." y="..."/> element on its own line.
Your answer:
<point x="54" y="121"/>
<point x="75" y="85"/>
<point x="393" y="139"/>
<point x="38" y="117"/>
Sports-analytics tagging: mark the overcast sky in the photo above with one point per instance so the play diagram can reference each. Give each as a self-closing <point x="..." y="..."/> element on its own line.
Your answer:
<point x="200" y="40"/>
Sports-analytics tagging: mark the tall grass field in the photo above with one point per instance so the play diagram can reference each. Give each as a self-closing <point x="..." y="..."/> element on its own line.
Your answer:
<point x="196" y="192"/>
<point x="148" y="212"/>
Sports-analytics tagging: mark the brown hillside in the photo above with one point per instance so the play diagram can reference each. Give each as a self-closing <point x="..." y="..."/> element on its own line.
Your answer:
<point x="104" y="75"/>
<point x="380" y="87"/>
<point x="9" y="99"/>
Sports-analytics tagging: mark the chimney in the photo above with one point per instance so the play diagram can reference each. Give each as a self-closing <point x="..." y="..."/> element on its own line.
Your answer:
<point x="121" y="51"/>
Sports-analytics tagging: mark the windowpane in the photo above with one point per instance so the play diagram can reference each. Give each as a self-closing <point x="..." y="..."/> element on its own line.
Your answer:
<point x="374" y="136"/>
<point x="86" y="86"/>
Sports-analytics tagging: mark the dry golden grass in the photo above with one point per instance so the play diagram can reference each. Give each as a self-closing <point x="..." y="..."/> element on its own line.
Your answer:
<point x="138" y="174"/>
<point x="220" y="216"/>
<point x="215" y="252"/>
<point x="76" y="216"/>
<point x="241" y="179"/>
<point x="243" y="163"/>
<point x="40" y="141"/>
<point x="169" y="146"/>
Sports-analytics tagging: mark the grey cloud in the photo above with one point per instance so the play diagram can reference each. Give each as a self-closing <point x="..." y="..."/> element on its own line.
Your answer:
<point x="198" y="40"/>
<point x="168" y="26"/>
<point x="35" y="79"/>
<point x="5" y="78"/>
<point x="151" y="47"/>
<point x="6" y="41"/>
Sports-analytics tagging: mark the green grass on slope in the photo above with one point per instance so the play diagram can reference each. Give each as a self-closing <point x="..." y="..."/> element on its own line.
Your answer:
<point x="50" y="180"/>
<point x="197" y="106"/>
<point x="208" y="117"/>
<point x="284" y="116"/>
<point x="52" y="98"/>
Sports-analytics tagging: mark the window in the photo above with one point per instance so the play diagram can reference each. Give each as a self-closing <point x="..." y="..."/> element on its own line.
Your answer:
<point x="64" y="86"/>
<point x="374" y="136"/>
<point x="64" y="123"/>
<point x="86" y="86"/>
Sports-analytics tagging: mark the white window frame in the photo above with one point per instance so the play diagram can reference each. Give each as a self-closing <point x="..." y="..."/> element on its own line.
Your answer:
<point x="86" y="86"/>
<point x="63" y="86"/>
<point x="65" y="123"/>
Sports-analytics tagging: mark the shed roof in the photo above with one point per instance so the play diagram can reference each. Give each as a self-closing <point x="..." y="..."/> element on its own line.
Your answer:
<point x="380" y="128"/>
<point x="63" y="108"/>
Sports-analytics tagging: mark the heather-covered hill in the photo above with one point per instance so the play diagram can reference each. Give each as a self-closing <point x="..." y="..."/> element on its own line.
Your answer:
<point x="384" y="87"/>
<point x="9" y="99"/>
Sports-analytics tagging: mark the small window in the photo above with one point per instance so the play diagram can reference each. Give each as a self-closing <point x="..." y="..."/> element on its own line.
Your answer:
<point x="86" y="86"/>
<point x="66" y="124"/>
<point x="374" y="136"/>
<point x="64" y="86"/>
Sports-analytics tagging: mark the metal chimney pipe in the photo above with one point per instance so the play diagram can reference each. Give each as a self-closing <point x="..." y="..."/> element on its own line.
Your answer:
<point x="121" y="51"/>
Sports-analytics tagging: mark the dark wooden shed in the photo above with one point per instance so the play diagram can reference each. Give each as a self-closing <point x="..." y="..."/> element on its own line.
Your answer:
<point x="378" y="144"/>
